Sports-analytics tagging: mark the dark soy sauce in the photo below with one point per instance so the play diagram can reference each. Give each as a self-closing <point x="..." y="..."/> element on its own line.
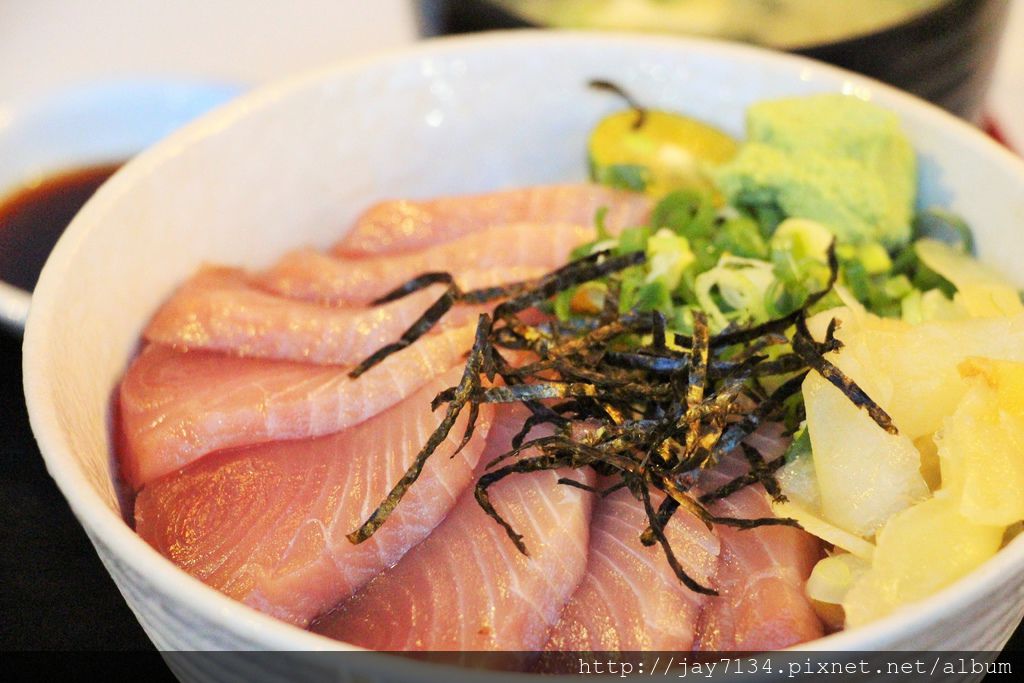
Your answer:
<point x="33" y="217"/>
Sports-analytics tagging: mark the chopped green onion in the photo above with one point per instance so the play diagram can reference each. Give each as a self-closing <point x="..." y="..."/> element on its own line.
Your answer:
<point x="741" y="236"/>
<point x="689" y="213"/>
<point x="632" y="240"/>
<point x="624" y="176"/>
<point x="668" y="255"/>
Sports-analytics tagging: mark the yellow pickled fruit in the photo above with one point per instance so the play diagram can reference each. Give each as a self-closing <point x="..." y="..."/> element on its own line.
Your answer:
<point x="672" y="151"/>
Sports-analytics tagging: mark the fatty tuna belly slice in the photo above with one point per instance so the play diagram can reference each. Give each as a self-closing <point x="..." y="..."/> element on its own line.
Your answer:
<point x="404" y="225"/>
<point x="313" y="276"/>
<point x="177" y="407"/>
<point x="629" y="598"/>
<point x="467" y="587"/>
<point x="219" y="309"/>
<point x="761" y="574"/>
<point x="266" y="524"/>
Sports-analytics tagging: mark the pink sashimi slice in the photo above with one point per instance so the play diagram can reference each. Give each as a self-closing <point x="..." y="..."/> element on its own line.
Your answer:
<point x="177" y="407"/>
<point x="266" y="524"/>
<point x="762" y="572"/>
<point x="219" y="309"/>
<point x="629" y="598"/>
<point x="395" y="226"/>
<point x="313" y="276"/>
<point x="467" y="587"/>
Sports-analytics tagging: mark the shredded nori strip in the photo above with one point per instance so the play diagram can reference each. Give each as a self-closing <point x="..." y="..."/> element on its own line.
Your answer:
<point x="658" y="340"/>
<point x="658" y="530"/>
<point x="423" y="324"/>
<point x="805" y="347"/>
<point x="470" y="379"/>
<point x="642" y="406"/>
<point x="534" y="464"/>
<point x="745" y="480"/>
<point x="664" y="513"/>
<point x="414" y="285"/>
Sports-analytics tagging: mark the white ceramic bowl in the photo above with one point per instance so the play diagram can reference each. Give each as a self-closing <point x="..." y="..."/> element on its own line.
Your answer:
<point x="293" y="163"/>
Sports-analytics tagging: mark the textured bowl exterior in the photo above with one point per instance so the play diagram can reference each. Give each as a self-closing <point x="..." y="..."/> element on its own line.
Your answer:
<point x="293" y="164"/>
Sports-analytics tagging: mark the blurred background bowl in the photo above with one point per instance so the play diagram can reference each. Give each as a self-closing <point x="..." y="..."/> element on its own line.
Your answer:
<point x="940" y="50"/>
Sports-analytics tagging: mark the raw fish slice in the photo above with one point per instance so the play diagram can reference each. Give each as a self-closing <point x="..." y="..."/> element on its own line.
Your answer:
<point x="266" y="524"/>
<point x="467" y="587"/>
<point x="395" y="226"/>
<point x="630" y="599"/>
<point x="177" y="407"/>
<point x="311" y="275"/>
<point x="762" y="571"/>
<point x="220" y="310"/>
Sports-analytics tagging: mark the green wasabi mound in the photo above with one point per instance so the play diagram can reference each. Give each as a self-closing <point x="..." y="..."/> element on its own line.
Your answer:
<point x="835" y="159"/>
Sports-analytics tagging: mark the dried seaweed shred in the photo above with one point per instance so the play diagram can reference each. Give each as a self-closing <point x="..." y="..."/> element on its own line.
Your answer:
<point x="649" y="408"/>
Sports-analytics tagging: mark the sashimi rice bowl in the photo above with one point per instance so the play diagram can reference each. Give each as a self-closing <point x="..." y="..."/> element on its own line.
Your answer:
<point x="546" y="344"/>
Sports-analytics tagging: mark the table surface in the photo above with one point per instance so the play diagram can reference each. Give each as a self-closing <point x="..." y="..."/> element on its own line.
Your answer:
<point x="54" y="593"/>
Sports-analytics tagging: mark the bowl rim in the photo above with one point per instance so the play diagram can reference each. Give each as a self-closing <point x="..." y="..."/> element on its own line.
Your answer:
<point x="107" y="527"/>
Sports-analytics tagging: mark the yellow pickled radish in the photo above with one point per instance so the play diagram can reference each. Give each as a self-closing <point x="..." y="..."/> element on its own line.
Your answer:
<point x="865" y="474"/>
<point x="829" y="582"/>
<point x="981" y="290"/>
<point x="813" y="523"/>
<point x="930" y="467"/>
<point x="1006" y="377"/>
<point x="919" y="551"/>
<point x="980" y="446"/>
<point x="667" y="151"/>
<point x="833" y="576"/>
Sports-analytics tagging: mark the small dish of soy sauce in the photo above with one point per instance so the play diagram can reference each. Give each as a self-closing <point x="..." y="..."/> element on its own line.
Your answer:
<point x="56" y="151"/>
<point x="33" y="217"/>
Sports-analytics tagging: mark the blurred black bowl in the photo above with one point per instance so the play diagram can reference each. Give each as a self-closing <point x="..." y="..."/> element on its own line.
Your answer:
<point x="944" y="55"/>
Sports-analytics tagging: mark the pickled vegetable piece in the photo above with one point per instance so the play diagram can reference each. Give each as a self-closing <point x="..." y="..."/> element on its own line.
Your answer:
<point x="920" y="551"/>
<point x="981" y="447"/>
<point x="981" y="290"/>
<point x="811" y="522"/>
<point x="833" y="576"/>
<point x="865" y="474"/>
<point x="911" y="370"/>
